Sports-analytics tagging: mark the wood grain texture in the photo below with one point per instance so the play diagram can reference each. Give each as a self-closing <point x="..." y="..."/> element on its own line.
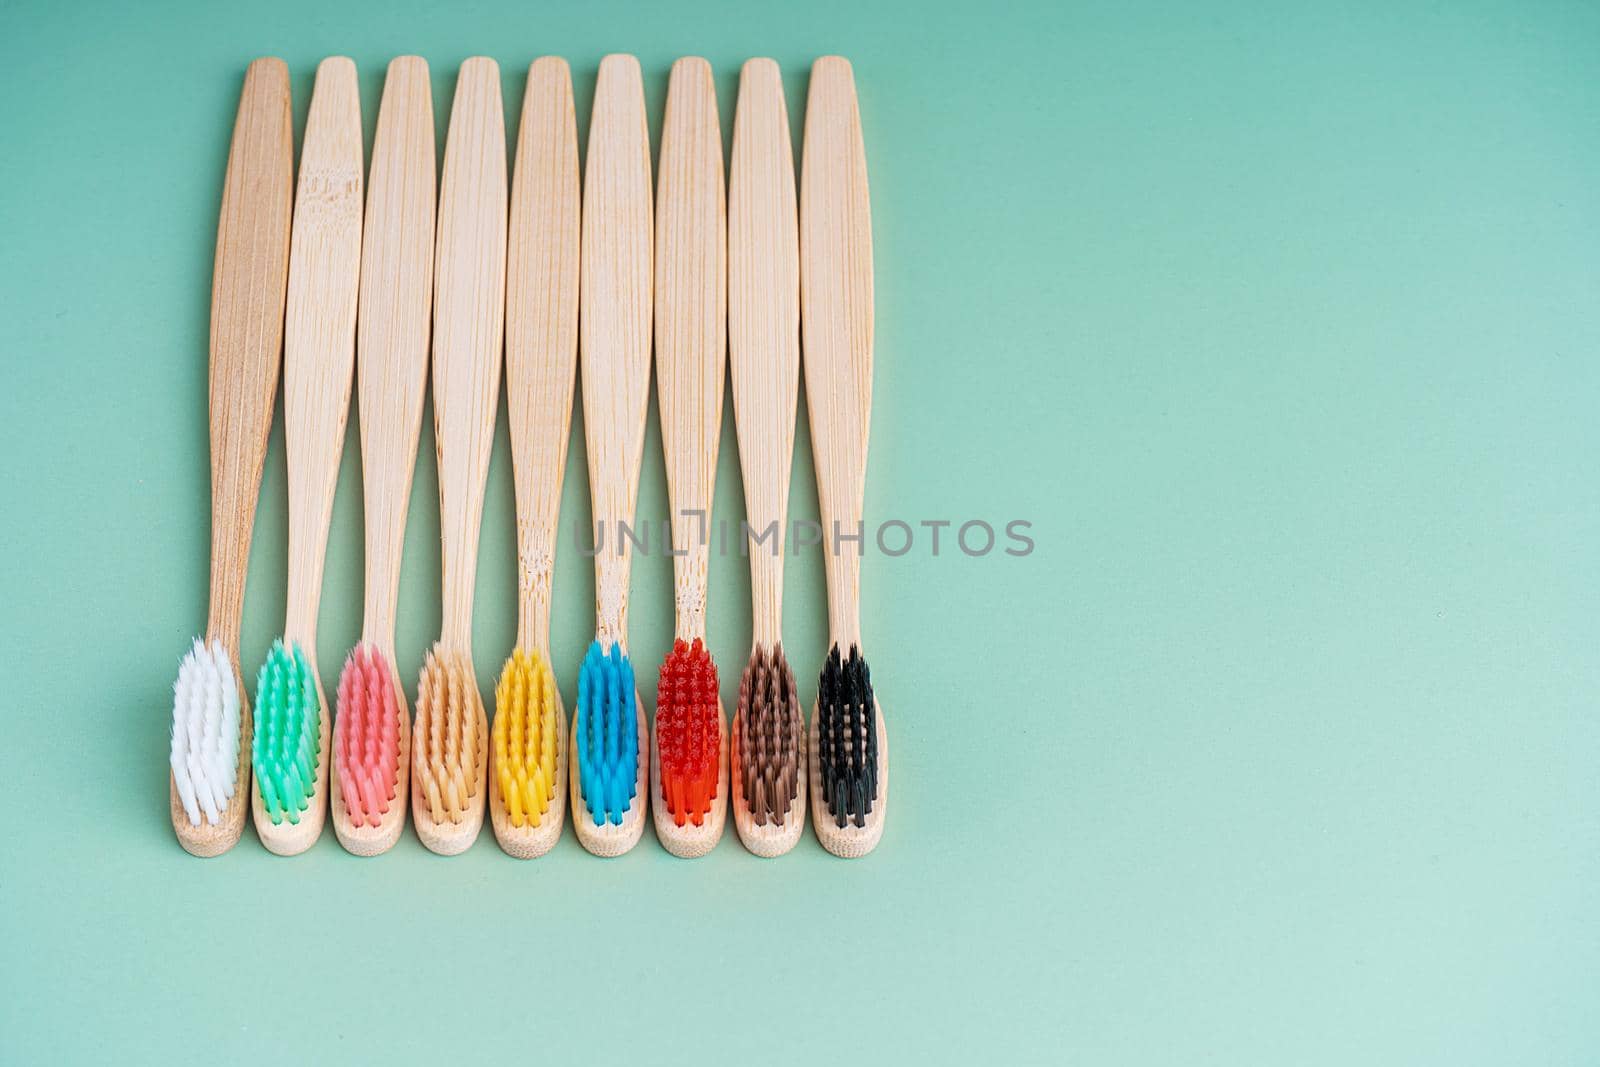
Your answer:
<point x="542" y="330"/>
<point x="468" y="329"/>
<point x="836" y="313"/>
<point x="764" y="326"/>
<point x="764" y="358"/>
<point x="614" y="324"/>
<point x="392" y="325"/>
<point x="691" y="310"/>
<point x="247" y="300"/>
<point x="541" y="365"/>
<point x="836" y="310"/>
<point x="318" y="362"/>
<point x="468" y="335"/>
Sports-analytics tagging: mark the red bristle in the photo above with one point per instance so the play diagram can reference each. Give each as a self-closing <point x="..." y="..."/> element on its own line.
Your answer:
<point x="688" y="731"/>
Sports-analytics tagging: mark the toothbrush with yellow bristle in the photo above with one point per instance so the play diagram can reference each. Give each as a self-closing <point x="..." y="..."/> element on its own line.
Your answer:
<point x="372" y="730"/>
<point x="290" y="750"/>
<point x="849" y="747"/>
<point x="609" y="743"/>
<point x="449" y="749"/>
<point x="689" y="760"/>
<point x="768" y="752"/>
<point x="527" y="757"/>
<point x="209" y="777"/>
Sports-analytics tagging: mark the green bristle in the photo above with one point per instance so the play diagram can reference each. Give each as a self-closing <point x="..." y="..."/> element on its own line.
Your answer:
<point x="288" y="727"/>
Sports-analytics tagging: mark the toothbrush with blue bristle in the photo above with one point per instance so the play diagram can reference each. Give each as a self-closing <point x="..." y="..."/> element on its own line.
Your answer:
<point x="608" y="792"/>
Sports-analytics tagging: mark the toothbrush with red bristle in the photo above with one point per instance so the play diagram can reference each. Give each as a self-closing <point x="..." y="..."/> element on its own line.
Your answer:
<point x="849" y="754"/>
<point x="289" y="753"/>
<point x="767" y="754"/>
<point x="372" y="730"/>
<point x="689" y="766"/>
<point x="209" y="780"/>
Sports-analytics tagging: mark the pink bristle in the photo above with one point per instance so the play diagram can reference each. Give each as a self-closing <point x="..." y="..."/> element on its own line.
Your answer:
<point x="367" y="746"/>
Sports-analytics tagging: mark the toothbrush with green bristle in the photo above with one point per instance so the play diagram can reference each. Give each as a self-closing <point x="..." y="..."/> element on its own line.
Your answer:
<point x="209" y="776"/>
<point x="290" y="751"/>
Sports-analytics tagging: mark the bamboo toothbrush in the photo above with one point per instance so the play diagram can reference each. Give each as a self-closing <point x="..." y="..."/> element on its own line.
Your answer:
<point x="689" y="760"/>
<point x="372" y="730"/>
<point x="527" y="760"/>
<point x="609" y="740"/>
<point x="769" y="749"/>
<point x="450" y="744"/>
<point x="209" y="778"/>
<point x="289" y="754"/>
<point x="849" y="747"/>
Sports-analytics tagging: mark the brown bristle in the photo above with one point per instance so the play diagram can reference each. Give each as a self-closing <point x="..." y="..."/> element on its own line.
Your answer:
<point x="768" y="736"/>
<point x="445" y="758"/>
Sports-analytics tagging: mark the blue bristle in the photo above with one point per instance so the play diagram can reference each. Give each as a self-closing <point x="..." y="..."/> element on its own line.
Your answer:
<point x="608" y="738"/>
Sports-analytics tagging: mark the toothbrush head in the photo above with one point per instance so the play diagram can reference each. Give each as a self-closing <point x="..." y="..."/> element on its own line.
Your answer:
<point x="205" y="732"/>
<point x="688" y="731"/>
<point x="847" y="737"/>
<point x="525" y="737"/>
<point x="445" y="757"/>
<point x="770" y="735"/>
<point x="284" y="751"/>
<point x="608" y="738"/>
<point x="366" y="736"/>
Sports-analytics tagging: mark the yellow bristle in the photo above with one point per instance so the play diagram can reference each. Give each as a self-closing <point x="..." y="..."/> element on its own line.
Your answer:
<point x="525" y="737"/>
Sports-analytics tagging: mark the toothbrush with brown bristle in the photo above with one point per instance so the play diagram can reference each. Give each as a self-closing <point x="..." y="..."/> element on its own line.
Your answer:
<point x="450" y="742"/>
<point x="849" y="747"/>
<point x="608" y="787"/>
<point x="528" y="759"/>
<point x="209" y="776"/>
<point x="768" y="754"/>
<point x="290" y="750"/>
<point x="372" y="730"/>
<point x="689" y="760"/>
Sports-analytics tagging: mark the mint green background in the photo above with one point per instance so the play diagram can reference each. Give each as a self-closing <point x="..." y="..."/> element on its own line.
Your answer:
<point x="1280" y="324"/>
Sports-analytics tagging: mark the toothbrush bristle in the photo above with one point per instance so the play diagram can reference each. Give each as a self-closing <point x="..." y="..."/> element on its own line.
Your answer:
<point x="526" y="737"/>
<point x="366" y="736"/>
<point x="445" y="756"/>
<point x="847" y="737"/>
<point x="205" y="732"/>
<point x="284" y="752"/>
<point x="608" y="734"/>
<point x="688" y="731"/>
<point x="769" y="734"/>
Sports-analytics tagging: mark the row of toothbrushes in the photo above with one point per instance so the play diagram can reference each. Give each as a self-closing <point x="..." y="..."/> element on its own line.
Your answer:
<point x="718" y="276"/>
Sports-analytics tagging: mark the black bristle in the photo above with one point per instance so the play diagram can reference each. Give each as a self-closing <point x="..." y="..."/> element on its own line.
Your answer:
<point x="847" y="737"/>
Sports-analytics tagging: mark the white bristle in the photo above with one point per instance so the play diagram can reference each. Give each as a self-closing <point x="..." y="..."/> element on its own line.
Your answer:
<point x="205" y="731"/>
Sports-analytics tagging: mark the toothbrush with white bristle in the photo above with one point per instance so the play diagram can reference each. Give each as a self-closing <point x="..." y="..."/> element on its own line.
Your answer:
<point x="209" y="780"/>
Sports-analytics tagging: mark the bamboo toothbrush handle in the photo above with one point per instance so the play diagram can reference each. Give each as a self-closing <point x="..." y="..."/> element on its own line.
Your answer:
<point x="247" y="294"/>
<point x="468" y="329"/>
<point x="614" y="323"/>
<point x="691" y="300"/>
<point x="764" y="327"/>
<point x="395" y="306"/>
<point x="541" y="329"/>
<point x="836" y="309"/>
<point x="319" y="328"/>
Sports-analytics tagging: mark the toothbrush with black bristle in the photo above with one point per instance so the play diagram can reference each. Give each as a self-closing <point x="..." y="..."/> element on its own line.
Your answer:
<point x="849" y="747"/>
<point x="689" y="760"/>
<point x="767" y="753"/>
<point x="209" y="766"/>
<point x="609" y="743"/>
<point x="372" y="728"/>
<point x="290" y="750"/>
